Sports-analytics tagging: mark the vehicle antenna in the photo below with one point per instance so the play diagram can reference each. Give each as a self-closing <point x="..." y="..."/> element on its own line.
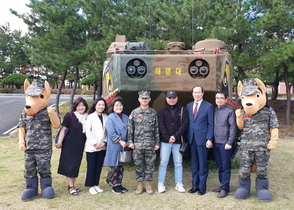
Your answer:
<point x="150" y="24"/>
<point x="192" y="22"/>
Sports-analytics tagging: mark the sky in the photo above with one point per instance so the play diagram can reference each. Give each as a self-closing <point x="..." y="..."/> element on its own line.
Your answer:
<point x="6" y="16"/>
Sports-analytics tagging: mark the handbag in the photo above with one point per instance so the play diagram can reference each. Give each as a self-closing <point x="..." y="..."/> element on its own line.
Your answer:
<point x="66" y="130"/>
<point x="57" y="136"/>
<point x="185" y="146"/>
<point x="126" y="156"/>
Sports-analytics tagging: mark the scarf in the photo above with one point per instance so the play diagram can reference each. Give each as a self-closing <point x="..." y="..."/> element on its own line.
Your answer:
<point x="82" y="119"/>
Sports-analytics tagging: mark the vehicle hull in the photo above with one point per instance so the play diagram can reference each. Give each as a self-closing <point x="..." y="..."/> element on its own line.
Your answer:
<point x="164" y="71"/>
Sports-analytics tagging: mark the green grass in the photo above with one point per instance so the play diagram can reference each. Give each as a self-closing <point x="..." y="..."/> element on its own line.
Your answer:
<point x="12" y="184"/>
<point x="281" y="170"/>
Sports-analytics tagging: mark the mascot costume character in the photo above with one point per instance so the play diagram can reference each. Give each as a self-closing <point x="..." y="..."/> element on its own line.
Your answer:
<point x="35" y="139"/>
<point x="260" y="132"/>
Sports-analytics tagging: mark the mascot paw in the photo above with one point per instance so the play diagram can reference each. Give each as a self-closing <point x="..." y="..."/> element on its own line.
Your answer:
<point x="238" y="112"/>
<point x="262" y="192"/>
<point x="31" y="191"/>
<point x="50" y="109"/>
<point x="272" y="145"/>
<point x="22" y="147"/>
<point x="46" y="186"/>
<point x="243" y="191"/>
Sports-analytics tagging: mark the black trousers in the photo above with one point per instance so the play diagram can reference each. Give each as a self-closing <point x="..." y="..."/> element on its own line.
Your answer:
<point x="95" y="162"/>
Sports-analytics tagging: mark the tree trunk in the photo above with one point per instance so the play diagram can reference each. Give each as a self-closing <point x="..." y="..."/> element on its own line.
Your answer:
<point x="275" y="91"/>
<point x="240" y="70"/>
<point x="288" y="107"/>
<point x="74" y="85"/>
<point x="59" y="91"/>
<point x="275" y="88"/>
<point x="95" y="90"/>
<point x="241" y="73"/>
<point x="100" y="86"/>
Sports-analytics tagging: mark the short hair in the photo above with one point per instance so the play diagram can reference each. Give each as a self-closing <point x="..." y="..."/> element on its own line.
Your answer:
<point x="116" y="99"/>
<point x="221" y="92"/>
<point x="76" y="103"/>
<point x="198" y="86"/>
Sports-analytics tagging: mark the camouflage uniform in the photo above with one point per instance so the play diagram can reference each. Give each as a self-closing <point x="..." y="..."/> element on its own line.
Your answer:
<point x="254" y="139"/>
<point x="260" y="132"/>
<point x="143" y="132"/>
<point x="38" y="143"/>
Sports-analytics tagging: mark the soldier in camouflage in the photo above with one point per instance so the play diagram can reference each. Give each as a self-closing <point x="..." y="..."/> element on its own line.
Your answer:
<point x="260" y="134"/>
<point x="143" y="136"/>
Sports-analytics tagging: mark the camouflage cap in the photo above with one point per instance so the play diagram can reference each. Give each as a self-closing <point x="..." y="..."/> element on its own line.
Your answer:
<point x="36" y="88"/>
<point x="250" y="87"/>
<point x="144" y="94"/>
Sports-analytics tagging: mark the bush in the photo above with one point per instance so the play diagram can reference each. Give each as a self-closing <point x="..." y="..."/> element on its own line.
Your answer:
<point x="53" y="91"/>
<point x="79" y="91"/>
<point x="68" y="91"/>
<point x="6" y="90"/>
<point x="88" y="92"/>
<point x="18" y="91"/>
<point x="14" y="79"/>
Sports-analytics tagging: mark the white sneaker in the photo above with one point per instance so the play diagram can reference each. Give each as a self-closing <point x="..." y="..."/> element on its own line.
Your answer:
<point x="180" y="187"/>
<point x="161" y="188"/>
<point x="98" y="189"/>
<point x="92" y="191"/>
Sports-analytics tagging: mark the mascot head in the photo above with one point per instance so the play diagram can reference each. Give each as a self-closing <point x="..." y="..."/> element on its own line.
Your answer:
<point x="37" y="96"/>
<point x="253" y="95"/>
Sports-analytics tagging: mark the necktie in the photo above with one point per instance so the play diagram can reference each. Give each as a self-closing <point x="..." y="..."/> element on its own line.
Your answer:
<point x="195" y="110"/>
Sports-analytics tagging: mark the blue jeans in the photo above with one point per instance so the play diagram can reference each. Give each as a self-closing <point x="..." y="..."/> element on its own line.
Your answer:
<point x="223" y="162"/>
<point x="165" y="150"/>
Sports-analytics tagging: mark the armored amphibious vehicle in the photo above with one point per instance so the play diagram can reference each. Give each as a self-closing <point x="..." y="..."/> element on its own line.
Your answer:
<point x="132" y="66"/>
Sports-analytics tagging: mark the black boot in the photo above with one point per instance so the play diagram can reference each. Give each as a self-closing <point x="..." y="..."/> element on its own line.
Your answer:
<point x="31" y="190"/>
<point x="262" y="192"/>
<point x="243" y="191"/>
<point x="46" y="186"/>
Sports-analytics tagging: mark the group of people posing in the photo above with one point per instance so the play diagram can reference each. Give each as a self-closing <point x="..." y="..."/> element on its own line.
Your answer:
<point x="106" y="131"/>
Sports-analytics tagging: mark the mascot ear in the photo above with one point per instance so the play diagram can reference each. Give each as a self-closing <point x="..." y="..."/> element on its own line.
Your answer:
<point x="47" y="90"/>
<point x="261" y="85"/>
<point x="26" y="84"/>
<point x="240" y="88"/>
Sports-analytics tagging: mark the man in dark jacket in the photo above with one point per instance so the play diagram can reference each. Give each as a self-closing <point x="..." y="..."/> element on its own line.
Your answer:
<point x="224" y="136"/>
<point x="173" y="122"/>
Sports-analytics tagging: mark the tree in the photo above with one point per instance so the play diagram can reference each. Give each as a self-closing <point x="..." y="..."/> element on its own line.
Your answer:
<point x="12" y="55"/>
<point x="14" y="79"/>
<point x="91" y="80"/>
<point x="74" y="35"/>
<point x="276" y="31"/>
<point x="231" y="21"/>
<point x="282" y="59"/>
<point x="57" y="35"/>
<point x="104" y="22"/>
